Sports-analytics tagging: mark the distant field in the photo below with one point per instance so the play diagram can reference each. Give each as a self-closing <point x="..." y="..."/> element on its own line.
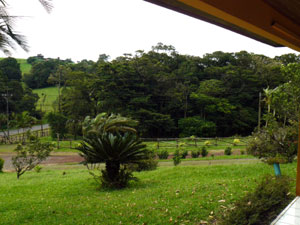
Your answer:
<point x="51" y="95"/>
<point x="25" y="67"/>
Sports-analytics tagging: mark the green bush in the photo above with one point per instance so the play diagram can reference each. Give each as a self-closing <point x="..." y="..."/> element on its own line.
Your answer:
<point x="195" y="153"/>
<point x="204" y="151"/>
<point x="184" y="154"/>
<point x="38" y="168"/>
<point x="163" y="154"/>
<point x="147" y="164"/>
<point x="177" y="158"/>
<point x="1" y="164"/>
<point x="262" y="206"/>
<point x="274" y="142"/>
<point x="29" y="155"/>
<point x="227" y="151"/>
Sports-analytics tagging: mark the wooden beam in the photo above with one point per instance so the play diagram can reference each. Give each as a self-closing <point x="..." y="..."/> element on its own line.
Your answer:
<point x="253" y="15"/>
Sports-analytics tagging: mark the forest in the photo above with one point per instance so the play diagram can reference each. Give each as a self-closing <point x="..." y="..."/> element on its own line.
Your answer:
<point x="170" y="94"/>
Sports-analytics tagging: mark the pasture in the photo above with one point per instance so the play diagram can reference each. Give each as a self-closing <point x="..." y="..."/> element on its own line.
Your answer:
<point x="51" y="95"/>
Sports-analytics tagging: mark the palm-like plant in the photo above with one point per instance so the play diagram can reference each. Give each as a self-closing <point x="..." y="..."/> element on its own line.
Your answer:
<point x="112" y="123"/>
<point x="8" y="36"/>
<point x="112" y="140"/>
<point x="115" y="150"/>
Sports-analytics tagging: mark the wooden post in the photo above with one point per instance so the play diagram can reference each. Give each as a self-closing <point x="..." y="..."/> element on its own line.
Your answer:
<point x="298" y="163"/>
<point x="259" y="111"/>
<point x="57" y="140"/>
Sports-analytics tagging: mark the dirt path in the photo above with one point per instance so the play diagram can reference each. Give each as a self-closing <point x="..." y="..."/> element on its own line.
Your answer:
<point x="54" y="159"/>
<point x="62" y="159"/>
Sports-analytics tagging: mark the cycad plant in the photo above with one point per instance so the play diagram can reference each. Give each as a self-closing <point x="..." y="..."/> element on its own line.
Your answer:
<point x="108" y="123"/>
<point x="117" y="149"/>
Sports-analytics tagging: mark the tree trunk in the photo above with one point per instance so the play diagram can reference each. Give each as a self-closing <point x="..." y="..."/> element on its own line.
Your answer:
<point x="112" y="169"/>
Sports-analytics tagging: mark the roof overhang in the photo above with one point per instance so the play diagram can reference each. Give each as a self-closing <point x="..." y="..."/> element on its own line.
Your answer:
<point x="274" y="22"/>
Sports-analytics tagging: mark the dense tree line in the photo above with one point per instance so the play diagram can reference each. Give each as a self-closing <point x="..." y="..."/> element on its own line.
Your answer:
<point x="41" y="70"/>
<point x="20" y="98"/>
<point x="172" y="94"/>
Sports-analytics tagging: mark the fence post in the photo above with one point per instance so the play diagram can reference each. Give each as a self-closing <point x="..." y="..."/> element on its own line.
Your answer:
<point x="176" y="143"/>
<point x="57" y="140"/>
<point x="157" y="143"/>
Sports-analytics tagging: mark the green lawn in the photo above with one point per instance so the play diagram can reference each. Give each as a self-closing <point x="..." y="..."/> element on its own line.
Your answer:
<point x="51" y="95"/>
<point x="169" y="195"/>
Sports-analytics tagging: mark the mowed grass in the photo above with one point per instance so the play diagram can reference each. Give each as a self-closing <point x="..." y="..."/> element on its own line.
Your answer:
<point x="169" y="195"/>
<point x="51" y="95"/>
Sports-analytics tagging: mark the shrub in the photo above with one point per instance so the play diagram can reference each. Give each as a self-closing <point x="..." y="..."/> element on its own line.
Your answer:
<point x="148" y="164"/>
<point x="262" y="205"/>
<point x="177" y="157"/>
<point x="195" y="153"/>
<point x="30" y="155"/>
<point x="181" y="144"/>
<point x="163" y="154"/>
<point x="207" y="143"/>
<point x="242" y="152"/>
<point x="273" y="143"/>
<point x="38" y="168"/>
<point x="1" y="165"/>
<point x="227" y="151"/>
<point x="236" y="141"/>
<point x="204" y="151"/>
<point x="184" y="154"/>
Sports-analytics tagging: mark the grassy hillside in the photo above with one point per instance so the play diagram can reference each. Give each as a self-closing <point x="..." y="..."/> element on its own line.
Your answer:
<point x="51" y="95"/>
<point x="25" y="67"/>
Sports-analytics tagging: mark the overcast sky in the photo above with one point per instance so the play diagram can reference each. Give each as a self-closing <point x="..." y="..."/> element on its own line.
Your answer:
<point x="80" y="29"/>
